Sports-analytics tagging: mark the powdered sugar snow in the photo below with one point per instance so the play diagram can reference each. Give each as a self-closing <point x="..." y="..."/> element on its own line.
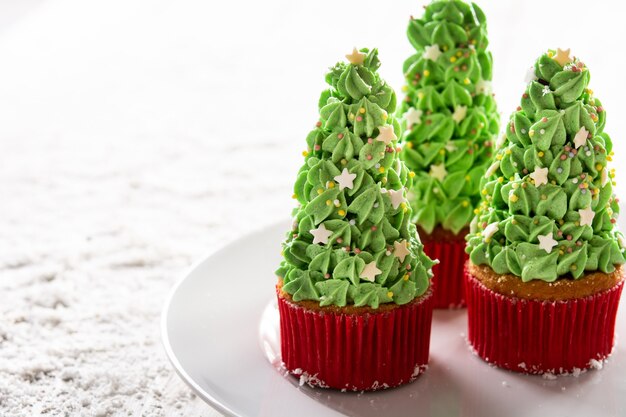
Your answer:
<point x="88" y="255"/>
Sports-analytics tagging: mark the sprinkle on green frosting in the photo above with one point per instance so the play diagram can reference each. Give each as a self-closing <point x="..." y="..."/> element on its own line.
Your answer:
<point x="548" y="208"/>
<point x="352" y="240"/>
<point x="449" y="113"/>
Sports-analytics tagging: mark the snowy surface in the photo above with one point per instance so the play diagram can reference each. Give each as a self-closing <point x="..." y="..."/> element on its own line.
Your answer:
<point x="137" y="136"/>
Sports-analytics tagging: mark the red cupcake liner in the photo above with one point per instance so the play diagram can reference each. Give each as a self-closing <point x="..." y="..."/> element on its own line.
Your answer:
<point x="535" y="336"/>
<point x="448" y="288"/>
<point x="356" y="352"/>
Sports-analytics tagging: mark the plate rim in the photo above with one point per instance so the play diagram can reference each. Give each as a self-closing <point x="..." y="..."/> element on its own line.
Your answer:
<point x="165" y="339"/>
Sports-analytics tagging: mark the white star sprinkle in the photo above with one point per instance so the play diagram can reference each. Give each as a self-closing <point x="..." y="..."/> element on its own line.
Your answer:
<point x="546" y="90"/>
<point x="562" y="56"/>
<point x="547" y="242"/>
<point x="490" y="230"/>
<point x="483" y="87"/>
<point x="370" y="271"/>
<point x="438" y="171"/>
<point x="540" y="176"/>
<point x="345" y="180"/>
<point x="492" y="169"/>
<point x="321" y="234"/>
<point x="401" y="249"/>
<point x="397" y="197"/>
<point x="500" y="141"/>
<point x="412" y="117"/>
<point x="581" y="137"/>
<point x="386" y="134"/>
<point x="356" y="57"/>
<point x="530" y="75"/>
<point x="586" y="216"/>
<point x="432" y="52"/>
<point x="450" y="146"/>
<point x="459" y="113"/>
<point x="604" y="177"/>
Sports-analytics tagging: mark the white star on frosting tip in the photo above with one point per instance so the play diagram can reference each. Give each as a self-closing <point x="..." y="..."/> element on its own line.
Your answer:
<point x="397" y="198"/>
<point x="321" y="234"/>
<point x="530" y="75"/>
<point x="459" y="113"/>
<point x="401" y="249"/>
<point x="345" y="179"/>
<point x="432" y="52"/>
<point x="547" y="242"/>
<point x="483" y="87"/>
<point x="540" y="176"/>
<point x="492" y="169"/>
<point x="356" y="57"/>
<point x="586" y="216"/>
<point x="500" y="141"/>
<point x="438" y="171"/>
<point x="386" y="134"/>
<point x="490" y="230"/>
<point x="562" y="56"/>
<point x="604" y="177"/>
<point x="412" y="117"/>
<point x="450" y="146"/>
<point x="581" y="137"/>
<point x="370" y="271"/>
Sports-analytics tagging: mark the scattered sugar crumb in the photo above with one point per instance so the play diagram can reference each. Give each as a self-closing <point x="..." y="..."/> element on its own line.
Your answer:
<point x="596" y="364"/>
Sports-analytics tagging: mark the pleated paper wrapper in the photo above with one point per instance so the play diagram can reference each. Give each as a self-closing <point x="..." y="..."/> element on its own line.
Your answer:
<point x="537" y="337"/>
<point x="356" y="351"/>
<point x="448" y="287"/>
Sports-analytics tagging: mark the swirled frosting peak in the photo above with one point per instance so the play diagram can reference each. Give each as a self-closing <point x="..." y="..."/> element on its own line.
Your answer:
<point x="352" y="240"/>
<point x="548" y="208"/>
<point x="449" y="114"/>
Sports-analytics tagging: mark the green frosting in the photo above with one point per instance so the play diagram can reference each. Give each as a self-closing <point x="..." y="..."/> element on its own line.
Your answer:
<point x="352" y="240"/>
<point x="449" y="113"/>
<point x="548" y="208"/>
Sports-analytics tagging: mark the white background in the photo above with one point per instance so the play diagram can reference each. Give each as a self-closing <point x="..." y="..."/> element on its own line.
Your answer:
<point x="136" y="136"/>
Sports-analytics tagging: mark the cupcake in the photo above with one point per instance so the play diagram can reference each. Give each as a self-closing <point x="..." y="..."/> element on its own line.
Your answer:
<point x="450" y="120"/>
<point x="544" y="275"/>
<point x="353" y="286"/>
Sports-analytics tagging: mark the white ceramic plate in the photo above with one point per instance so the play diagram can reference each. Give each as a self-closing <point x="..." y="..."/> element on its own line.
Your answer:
<point x="220" y="331"/>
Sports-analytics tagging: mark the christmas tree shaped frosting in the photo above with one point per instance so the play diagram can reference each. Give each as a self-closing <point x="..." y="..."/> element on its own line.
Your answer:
<point x="449" y="114"/>
<point x="548" y="208"/>
<point x="352" y="240"/>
